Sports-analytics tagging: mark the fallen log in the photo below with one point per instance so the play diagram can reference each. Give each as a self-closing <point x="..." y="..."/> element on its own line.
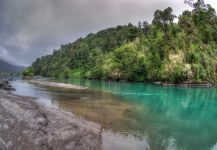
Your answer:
<point x="6" y="85"/>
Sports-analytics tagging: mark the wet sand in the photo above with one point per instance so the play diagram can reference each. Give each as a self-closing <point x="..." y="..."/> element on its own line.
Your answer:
<point x="57" y="85"/>
<point x="25" y="125"/>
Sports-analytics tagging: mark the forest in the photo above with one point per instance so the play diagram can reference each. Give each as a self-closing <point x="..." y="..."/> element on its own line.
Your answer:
<point x="170" y="48"/>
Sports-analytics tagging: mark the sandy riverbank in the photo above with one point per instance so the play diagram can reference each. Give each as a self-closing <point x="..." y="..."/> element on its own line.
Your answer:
<point x="57" y="85"/>
<point x="25" y="125"/>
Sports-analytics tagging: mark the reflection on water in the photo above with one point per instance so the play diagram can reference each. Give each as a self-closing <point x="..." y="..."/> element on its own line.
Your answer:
<point x="139" y="115"/>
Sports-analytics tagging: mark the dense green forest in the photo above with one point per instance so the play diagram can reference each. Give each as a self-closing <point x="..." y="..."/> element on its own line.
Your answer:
<point x="165" y="50"/>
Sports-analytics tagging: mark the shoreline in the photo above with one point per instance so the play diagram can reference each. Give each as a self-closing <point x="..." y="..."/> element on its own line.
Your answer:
<point x="24" y="124"/>
<point x="202" y="84"/>
<point x="57" y="84"/>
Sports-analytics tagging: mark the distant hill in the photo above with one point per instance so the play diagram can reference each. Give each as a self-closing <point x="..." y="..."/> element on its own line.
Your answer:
<point x="9" y="68"/>
<point x="164" y="50"/>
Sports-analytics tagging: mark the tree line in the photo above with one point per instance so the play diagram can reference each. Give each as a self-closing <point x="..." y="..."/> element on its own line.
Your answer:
<point x="163" y="50"/>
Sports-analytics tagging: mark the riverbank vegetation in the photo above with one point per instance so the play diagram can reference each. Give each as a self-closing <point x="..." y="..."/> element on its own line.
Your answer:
<point x="164" y="50"/>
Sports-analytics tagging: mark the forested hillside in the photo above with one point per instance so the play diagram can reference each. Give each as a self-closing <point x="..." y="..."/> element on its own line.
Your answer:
<point x="164" y="50"/>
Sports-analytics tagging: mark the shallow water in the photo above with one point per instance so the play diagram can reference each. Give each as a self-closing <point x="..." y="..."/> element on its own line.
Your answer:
<point x="138" y="115"/>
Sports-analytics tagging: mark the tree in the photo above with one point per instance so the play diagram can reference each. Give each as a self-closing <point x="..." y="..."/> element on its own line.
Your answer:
<point x="162" y="19"/>
<point x="199" y="3"/>
<point x="132" y="32"/>
<point x="185" y="22"/>
<point x="28" y="72"/>
<point x="144" y="26"/>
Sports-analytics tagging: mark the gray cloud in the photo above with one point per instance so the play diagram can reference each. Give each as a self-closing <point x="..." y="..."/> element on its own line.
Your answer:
<point x="32" y="28"/>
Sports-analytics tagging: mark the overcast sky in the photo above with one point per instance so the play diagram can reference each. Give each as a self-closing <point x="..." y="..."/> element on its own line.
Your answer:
<point x="33" y="28"/>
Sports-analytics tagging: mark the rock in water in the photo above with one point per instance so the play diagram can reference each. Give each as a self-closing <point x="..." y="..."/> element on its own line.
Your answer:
<point x="5" y="85"/>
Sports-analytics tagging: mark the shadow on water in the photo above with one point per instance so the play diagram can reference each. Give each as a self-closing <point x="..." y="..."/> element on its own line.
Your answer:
<point x="160" y="117"/>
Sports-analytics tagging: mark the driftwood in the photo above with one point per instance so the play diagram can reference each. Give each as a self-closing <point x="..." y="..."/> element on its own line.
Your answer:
<point x="5" y="85"/>
<point x="187" y="84"/>
<point x="198" y="84"/>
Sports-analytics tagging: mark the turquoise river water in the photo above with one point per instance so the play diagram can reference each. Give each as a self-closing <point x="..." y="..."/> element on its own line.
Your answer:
<point x="137" y="115"/>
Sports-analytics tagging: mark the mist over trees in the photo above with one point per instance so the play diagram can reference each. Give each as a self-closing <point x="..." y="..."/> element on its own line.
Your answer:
<point x="162" y="50"/>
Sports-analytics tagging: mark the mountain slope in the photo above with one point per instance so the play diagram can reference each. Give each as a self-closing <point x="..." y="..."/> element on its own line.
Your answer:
<point x="164" y="50"/>
<point x="81" y="54"/>
<point x="9" y="68"/>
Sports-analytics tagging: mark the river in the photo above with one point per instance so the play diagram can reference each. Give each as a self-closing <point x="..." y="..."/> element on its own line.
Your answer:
<point x="137" y="115"/>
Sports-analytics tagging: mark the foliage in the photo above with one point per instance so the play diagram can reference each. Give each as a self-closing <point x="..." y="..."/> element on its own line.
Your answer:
<point x="28" y="72"/>
<point x="163" y="50"/>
